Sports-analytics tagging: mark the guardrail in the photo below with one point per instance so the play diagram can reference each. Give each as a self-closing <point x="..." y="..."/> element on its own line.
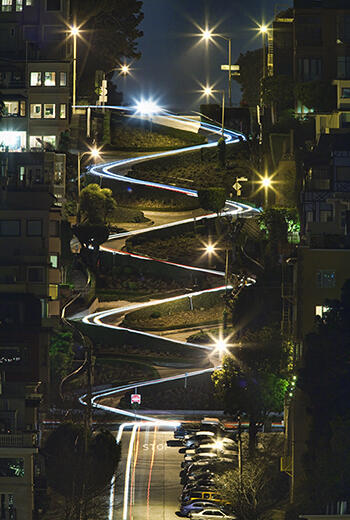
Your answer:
<point x="18" y="440"/>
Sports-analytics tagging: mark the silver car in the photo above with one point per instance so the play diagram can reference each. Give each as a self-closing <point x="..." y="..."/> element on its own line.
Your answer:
<point x="211" y="514"/>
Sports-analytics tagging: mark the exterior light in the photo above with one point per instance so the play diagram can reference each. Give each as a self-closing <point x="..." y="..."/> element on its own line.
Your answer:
<point x="206" y="34"/>
<point x="263" y="29"/>
<point x="95" y="152"/>
<point x="209" y="249"/>
<point x="266" y="182"/>
<point x="208" y="91"/>
<point x="147" y="107"/>
<point x="219" y="445"/>
<point x="74" y="31"/>
<point x="124" y="69"/>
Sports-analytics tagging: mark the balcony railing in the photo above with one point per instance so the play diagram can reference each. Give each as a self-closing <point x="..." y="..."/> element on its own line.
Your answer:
<point x="18" y="440"/>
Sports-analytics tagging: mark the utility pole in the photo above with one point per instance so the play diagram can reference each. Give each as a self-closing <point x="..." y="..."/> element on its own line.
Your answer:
<point x="240" y="460"/>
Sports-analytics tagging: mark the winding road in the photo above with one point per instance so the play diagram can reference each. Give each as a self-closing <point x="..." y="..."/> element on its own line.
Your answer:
<point x="114" y="171"/>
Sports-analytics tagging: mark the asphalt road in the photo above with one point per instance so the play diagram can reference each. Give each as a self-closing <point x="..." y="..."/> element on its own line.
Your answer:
<point x="154" y="485"/>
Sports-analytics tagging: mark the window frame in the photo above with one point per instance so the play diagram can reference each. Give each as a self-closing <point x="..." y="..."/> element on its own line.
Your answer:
<point x="53" y="72"/>
<point x="64" y="107"/>
<point x="62" y="82"/>
<point x="18" y="234"/>
<point x="53" y="116"/>
<point x="35" y="235"/>
<point x="39" y="268"/>
<point x="40" y="75"/>
<point x="41" y="111"/>
<point x="321" y="280"/>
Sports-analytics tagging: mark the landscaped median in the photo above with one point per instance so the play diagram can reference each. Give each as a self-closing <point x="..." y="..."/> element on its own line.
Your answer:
<point x="190" y="311"/>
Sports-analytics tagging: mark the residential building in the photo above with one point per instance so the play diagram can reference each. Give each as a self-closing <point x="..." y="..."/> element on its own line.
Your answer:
<point x="35" y="73"/>
<point x="282" y="47"/>
<point x="30" y="275"/>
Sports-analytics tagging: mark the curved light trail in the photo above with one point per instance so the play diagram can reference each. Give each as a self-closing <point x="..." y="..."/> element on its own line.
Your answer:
<point x="108" y="170"/>
<point x="112" y="171"/>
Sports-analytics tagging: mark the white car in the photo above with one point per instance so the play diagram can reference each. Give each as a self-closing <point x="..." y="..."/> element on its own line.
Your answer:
<point x="208" y="514"/>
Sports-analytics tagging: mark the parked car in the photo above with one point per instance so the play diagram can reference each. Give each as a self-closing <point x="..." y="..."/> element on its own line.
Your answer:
<point x="211" y="514"/>
<point x="196" y="506"/>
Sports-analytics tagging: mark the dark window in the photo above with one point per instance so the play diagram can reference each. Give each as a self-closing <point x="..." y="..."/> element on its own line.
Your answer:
<point x="11" y="467"/>
<point x="34" y="228"/>
<point x="343" y="67"/>
<point x="35" y="274"/>
<point x="10" y="228"/>
<point x="309" y="69"/>
<point x="343" y="28"/>
<point x="308" y="30"/>
<point x="53" y="5"/>
<point x="345" y="93"/>
<point x="325" y="279"/>
<point x="343" y="173"/>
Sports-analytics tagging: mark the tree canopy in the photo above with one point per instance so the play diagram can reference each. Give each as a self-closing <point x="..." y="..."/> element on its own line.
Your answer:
<point x="212" y="199"/>
<point x="110" y="30"/>
<point x="96" y="205"/>
<point x="253" y="381"/>
<point x="324" y="379"/>
<point x="250" y="76"/>
<point x="317" y="95"/>
<point x="77" y="475"/>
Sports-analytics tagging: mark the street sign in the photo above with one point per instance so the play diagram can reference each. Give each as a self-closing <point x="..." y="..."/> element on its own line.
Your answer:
<point x="237" y="186"/>
<point x="234" y="68"/>
<point x="135" y="398"/>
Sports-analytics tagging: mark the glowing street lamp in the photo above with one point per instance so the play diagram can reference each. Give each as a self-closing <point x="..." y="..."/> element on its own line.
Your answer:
<point x="208" y="35"/>
<point x="94" y="154"/>
<point x="208" y="91"/>
<point x="74" y="31"/>
<point x="147" y="107"/>
<point x="125" y="69"/>
<point x="266" y="183"/>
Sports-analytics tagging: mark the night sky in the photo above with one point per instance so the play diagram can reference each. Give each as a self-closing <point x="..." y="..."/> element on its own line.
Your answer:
<point x="174" y="62"/>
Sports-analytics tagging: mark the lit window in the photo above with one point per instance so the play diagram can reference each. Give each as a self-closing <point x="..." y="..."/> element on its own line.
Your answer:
<point x="44" y="306"/>
<point x="11" y="467"/>
<point x="50" y="79"/>
<point x="35" y="79"/>
<point x="35" y="274"/>
<point x="6" y="5"/>
<point x="49" y="111"/>
<point x="345" y="93"/>
<point x="23" y="109"/>
<point x="63" y="79"/>
<point x="325" y="279"/>
<point x="10" y="228"/>
<point x="54" y="260"/>
<point x="11" y="108"/>
<point x="35" y="141"/>
<point x="19" y="5"/>
<point x="63" y="111"/>
<point x="29" y="3"/>
<point x="53" y="291"/>
<point x="34" y="228"/>
<point x="22" y="172"/>
<point x="35" y="111"/>
<point x="321" y="310"/>
<point x="50" y="139"/>
<point x="13" y="140"/>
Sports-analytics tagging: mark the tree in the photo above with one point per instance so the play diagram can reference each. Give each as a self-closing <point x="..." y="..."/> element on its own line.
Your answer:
<point x="110" y="30"/>
<point x="212" y="199"/>
<point x="278" y="90"/>
<point x="324" y="380"/>
<point x="61" y="353"/>
<point x="250" y="76"/>
<point x="222" y="152"/>
<point x="96" y="205"/>
<point x="253" y="382"/>
<point x="260" y="487"/>
<point x="78" y="471"/>
<point x="317" y="95"/>
<point x="91" y="236"/>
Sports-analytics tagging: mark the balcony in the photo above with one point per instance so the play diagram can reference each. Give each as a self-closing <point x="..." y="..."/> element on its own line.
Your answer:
<point x="19" y="440"/>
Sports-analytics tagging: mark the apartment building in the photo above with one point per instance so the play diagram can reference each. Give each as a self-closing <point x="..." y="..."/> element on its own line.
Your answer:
<point x="35" y="73"/>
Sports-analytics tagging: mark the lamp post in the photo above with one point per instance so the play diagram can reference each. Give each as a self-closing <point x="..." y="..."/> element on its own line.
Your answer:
<point x="95" y="153"/>
<point x="207" y="35"/>
<point x="208" y="91"/>
<point x="266" y="183"/>
<point x="74" y="32"/>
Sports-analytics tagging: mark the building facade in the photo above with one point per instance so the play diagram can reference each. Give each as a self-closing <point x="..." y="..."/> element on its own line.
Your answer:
<point x="35" y="73"/>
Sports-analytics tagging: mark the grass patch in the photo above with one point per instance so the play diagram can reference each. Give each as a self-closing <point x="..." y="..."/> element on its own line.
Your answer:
<point x="197" y="395"/>
<point x="122" y="214"/>
<point x="207" y="309"/>
<point x="138" y="135"/>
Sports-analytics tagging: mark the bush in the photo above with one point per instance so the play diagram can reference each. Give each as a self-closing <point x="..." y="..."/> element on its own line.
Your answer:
<point x="155" y="315"/>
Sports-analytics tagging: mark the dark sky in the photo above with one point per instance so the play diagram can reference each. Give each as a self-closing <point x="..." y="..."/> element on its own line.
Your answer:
<point x="174" y="62"/>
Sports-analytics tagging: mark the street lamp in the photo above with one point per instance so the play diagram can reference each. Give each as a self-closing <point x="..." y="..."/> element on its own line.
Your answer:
<point x="208" y="91"/>
<point x="125" y="69"/>
<point x="74" y="31"/>
<point x="208" y="35"/>
<point x="94" y="153"/>
<point x="266" y="183"/>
